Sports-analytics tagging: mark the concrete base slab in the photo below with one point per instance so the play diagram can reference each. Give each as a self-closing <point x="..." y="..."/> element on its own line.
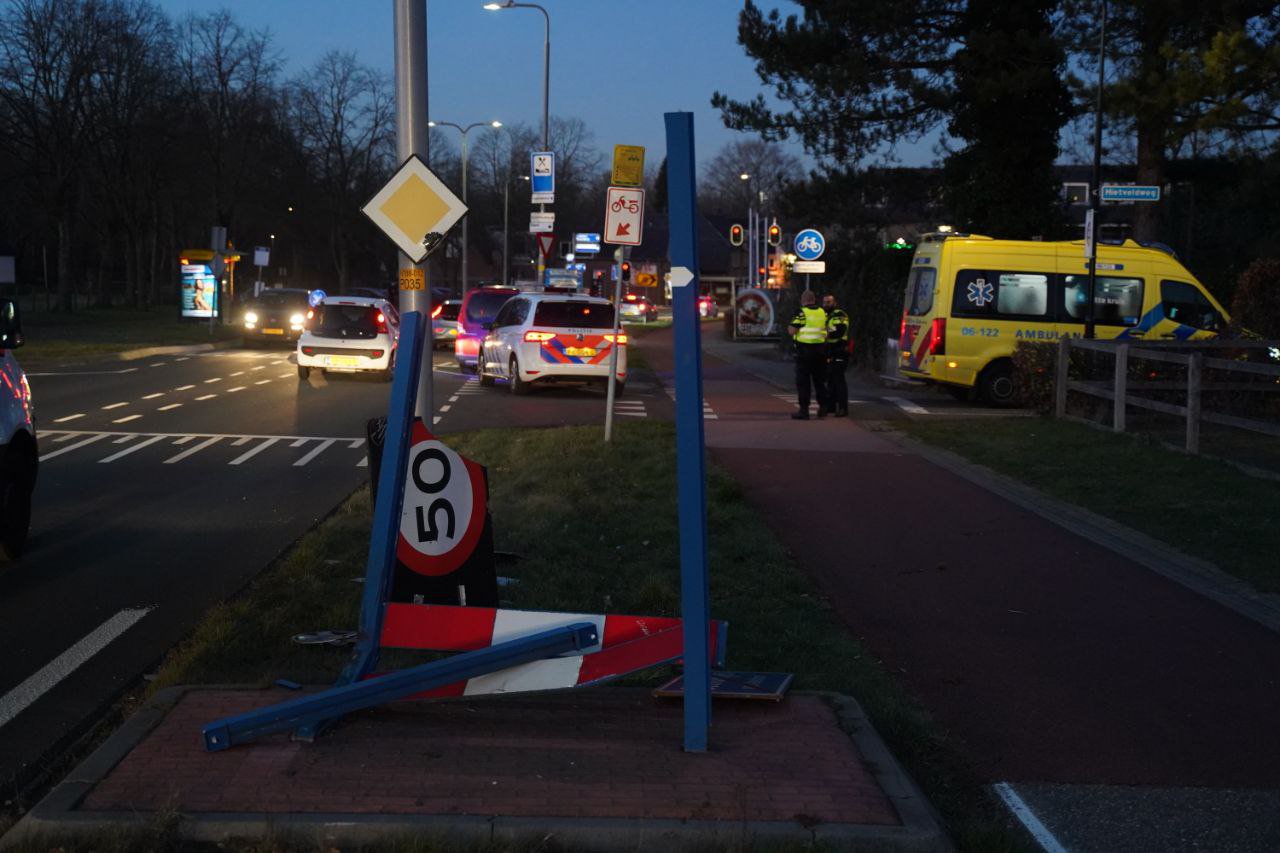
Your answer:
<point x="600" y="769"/>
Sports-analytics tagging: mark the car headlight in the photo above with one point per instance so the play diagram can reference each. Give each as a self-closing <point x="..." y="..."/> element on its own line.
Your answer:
<point x="250" y="317"/>
<point x="297" y="319"/>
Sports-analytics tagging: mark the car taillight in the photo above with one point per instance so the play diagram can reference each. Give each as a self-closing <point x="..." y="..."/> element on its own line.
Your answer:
<point x="376" y="354"/>
<point x="435" y="312"/>
<point x="308" y="350"/>
<point x="381" y="321"/>
<point x="538" y="337"/>
<point x="938" y="346"/>
<point x="617" y="339"/>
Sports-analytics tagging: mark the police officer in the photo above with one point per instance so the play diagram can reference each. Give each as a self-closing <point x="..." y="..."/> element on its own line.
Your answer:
<point x="809" y="328"/>
<point x="837" y="357"/>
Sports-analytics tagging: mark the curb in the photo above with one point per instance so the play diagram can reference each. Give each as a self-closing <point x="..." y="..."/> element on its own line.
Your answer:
<point x="55" y="816"/>
<point x="1199" y="576"/>
<point x="192" y="349"/>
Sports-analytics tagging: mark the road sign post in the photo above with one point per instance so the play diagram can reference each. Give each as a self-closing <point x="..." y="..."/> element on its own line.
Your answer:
<point x="690" y="443"/>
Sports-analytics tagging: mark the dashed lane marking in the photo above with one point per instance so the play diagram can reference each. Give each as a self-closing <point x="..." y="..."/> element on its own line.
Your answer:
<point x="235" y="389"/>
<point x="126" y="419"/>
<point x="262" y="382"/>
<point x="48" y="676"/>
<point x="184" y="358"/>
<point x="153" y="396"/>
<point x="205" y="397"/>
<point x="156" y="364"/>
<point x="238" y="373"/>
<point x="191" y="451"/>
<point x="113" y="406"/>
<point x="214" y="379"/>
<point x="68" y="418"/>
<point x="168" y="407"/>
<point x="184" y="388"/>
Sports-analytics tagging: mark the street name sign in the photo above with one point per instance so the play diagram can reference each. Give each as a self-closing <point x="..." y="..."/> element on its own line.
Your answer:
<point x="415" y="209"/>
<point x="542" y="176"/>
<point x="810" y="244"/>
<point x="586" y="244"/>
<point x="628" y="165"/>
<point x="540" y="221"/>
<point x="1129" y="192"/>
<point x="810" y="266"/>
<point x="624" y="216"/>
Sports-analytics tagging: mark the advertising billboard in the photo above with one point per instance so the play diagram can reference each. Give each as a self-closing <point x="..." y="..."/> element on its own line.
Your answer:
<point x="755" y="314"/>
<point x="199" y="291"/>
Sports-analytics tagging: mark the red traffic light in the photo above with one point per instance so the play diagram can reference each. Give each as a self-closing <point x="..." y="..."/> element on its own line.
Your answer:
<point x="736" y="235"/>
<point x="775" y="235"/>
<point x="626" y="270"/>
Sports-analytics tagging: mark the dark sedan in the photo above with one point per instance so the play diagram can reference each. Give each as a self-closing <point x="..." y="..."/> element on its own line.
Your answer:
<point x="276" y="314"/>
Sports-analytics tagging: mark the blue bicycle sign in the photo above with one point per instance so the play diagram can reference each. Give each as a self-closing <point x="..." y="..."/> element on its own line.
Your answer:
<point x="810" y="244"/>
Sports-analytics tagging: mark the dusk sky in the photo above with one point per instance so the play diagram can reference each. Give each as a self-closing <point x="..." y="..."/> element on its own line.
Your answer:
<point x="617" y="64"/>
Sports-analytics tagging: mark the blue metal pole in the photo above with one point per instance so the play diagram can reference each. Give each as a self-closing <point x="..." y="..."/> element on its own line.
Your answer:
<point x="691" y="492"/>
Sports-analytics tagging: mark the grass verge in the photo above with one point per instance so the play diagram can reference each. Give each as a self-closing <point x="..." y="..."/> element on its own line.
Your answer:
<point x="606" y="538"/>
<point x="1199" y="506"/>
<point x="106" y="331"/>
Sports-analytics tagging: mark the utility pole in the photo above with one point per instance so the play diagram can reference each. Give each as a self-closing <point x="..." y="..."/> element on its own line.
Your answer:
<point x="412" y="138"/>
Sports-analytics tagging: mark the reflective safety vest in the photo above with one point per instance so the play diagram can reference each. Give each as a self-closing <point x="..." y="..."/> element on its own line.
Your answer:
<point x="813" y="326"/>
<point x="838" y="326"/>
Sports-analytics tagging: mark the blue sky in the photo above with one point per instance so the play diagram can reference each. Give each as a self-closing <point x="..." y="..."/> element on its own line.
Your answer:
<point x="617" y="64"/>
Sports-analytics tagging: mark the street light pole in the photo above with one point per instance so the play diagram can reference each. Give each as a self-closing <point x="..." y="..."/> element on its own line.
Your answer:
<point x="464" y="131"/>
<point x="546" y="91"/>
<point x="1095" y="194"/>
<point x="751" y="230"/>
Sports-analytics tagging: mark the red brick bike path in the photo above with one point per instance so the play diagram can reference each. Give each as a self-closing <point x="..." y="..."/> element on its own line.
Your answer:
<point x="1042" y="655"/>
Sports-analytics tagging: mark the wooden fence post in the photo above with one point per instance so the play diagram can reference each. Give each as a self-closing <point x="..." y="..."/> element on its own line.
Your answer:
<point x="1060" y="386"/>
<point x="1194" y="368"/>
<point x="1121" y="386"/>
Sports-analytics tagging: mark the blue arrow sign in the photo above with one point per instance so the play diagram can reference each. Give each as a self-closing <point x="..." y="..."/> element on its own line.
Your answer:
<point x="1127" y="192"/>
<point x="810" y="244"/>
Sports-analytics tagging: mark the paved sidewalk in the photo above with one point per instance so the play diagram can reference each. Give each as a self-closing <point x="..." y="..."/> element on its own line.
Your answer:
<point x="1044" y="656"/>
<point x="599" y="769"/>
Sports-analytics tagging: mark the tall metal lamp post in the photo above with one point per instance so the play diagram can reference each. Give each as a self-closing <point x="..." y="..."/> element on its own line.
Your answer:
<point x="464" y="131"/>
<point x="546" y="88"/>
<point x="751" y="231"/>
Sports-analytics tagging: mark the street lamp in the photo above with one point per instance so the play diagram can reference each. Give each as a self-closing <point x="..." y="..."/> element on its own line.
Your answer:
<point x="751" y="229"/>
<point x="495" y="124"/>
<point x="546" y="87"/>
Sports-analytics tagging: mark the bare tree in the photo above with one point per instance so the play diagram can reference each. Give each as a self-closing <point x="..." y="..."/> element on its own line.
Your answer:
<point x="722" y="189"/>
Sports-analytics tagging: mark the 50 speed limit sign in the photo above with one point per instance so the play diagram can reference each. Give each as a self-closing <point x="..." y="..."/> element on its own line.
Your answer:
<point x="445" y="502"/>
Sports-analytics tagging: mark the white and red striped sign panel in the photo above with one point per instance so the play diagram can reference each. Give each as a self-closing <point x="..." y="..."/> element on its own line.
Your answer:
<point x="627" y="644"/>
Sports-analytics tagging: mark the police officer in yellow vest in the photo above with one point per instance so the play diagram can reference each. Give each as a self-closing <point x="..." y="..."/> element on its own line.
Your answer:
<point x="837" y="357"/>
<point x="809" y="328"/>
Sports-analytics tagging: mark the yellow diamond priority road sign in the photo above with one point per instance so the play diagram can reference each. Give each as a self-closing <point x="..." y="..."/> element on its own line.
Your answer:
<point x="415" y="209"/>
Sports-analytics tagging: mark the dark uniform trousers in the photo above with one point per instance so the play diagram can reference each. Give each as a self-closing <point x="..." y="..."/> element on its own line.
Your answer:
<point x="811" y="367"/>
<point x="837" y="387"/>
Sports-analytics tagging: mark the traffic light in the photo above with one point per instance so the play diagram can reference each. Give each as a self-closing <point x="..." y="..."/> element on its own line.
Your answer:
<point x="736" y="236"/>
<point x="626" y="270"/>
<point x="775" y="234"/>
<point x="763" y="272"/>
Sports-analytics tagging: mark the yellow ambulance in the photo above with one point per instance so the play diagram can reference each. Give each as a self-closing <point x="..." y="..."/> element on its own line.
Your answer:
<point x="970" y="299"/>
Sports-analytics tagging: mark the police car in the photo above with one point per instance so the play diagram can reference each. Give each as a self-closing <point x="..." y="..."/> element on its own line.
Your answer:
<point x="544" y="338"/>
<point x="19" y="456"/>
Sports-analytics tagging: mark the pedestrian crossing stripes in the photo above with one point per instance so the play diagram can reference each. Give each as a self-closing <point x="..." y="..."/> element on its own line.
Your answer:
<point x="105" y="448"/>
<point x="708" y="413"/>
<point x="630" y="409"/>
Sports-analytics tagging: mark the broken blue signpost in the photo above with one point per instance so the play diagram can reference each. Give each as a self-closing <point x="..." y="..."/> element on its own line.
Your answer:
<point x="501" y="651"/>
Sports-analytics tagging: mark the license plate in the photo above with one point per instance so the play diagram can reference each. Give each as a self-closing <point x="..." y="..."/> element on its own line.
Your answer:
<point x="342" y="361"/>
<point x="273" y="331"/>
<point x="580" y="351"/>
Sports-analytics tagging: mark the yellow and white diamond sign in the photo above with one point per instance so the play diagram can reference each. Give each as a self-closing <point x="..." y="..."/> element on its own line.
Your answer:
<point x="415" y="209"/>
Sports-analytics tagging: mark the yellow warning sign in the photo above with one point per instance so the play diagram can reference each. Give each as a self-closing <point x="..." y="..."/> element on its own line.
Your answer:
<point x="628" y="165"/>
<point x="413" y="279"/>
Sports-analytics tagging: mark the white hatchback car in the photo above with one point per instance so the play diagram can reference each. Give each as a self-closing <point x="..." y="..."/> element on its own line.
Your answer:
<point x="541" y="338"/>
<point x="19" y="455"/>
<point x="350" y="334"/>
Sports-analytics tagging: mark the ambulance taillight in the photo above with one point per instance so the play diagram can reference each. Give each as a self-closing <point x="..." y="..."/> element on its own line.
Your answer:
<point x="938" y="346"/>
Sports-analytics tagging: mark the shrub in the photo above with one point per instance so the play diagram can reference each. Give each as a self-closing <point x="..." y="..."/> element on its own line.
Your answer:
<point x="1034" y="368"/>
<point x="1256" y="306"/>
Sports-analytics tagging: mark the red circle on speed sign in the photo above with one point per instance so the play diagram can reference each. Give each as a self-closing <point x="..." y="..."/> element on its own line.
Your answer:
<point x="444" y="507"/>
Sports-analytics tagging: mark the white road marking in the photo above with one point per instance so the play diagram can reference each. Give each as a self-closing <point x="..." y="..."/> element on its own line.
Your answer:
<point x="184" y="388"/>
<point x="184" y="358"/>
<point x="113" y="457"/>
<point x="235" y="389"/>
<point x="238" y="373"/>
<point x="41" y="682"/>
<point x="244" y="439"/>
<point x="156" y="364"/>
<point x="126" y="419"/>
<point x="87" y="372"/>
<point x="300" y="442"/>
<point x="259" y="367"/>
<point x="436" y="420"/>
<point x="281" y="361"/>
<point x="239" y="460"/>
<point x="214" y="379"/>
<point x="445" y="408"/>
<point x="186" y="439"/>
<point x="66" y="437"/>
<point x="70" y="447"/>
<point x="124" y="438"/>
<point x="320" y="448"/>
<point x="113" y="406"/>
<point x="1028" y="818"/>
<point x="68" y="418"/>
<point x="357" y="443"/>
<point x="168" y="407"/>
<point x="206" y="397"/>
<point x="153" y="396"/>
<point x="85" y="432"/>
<point x="286" y="375"/>
<point x="363" y="463"/>
<point x="262" y="382"/>
<point x="453" y="399"/>
<point x="908" y="406"/>
<point x="191" y="451"/>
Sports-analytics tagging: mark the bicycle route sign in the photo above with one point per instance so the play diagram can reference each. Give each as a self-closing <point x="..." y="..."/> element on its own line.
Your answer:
<point x="624" y="216"/>
<point x="810" y="244"/>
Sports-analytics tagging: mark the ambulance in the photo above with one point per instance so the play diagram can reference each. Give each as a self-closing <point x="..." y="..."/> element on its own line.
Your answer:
<point x="970" y="299"/>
